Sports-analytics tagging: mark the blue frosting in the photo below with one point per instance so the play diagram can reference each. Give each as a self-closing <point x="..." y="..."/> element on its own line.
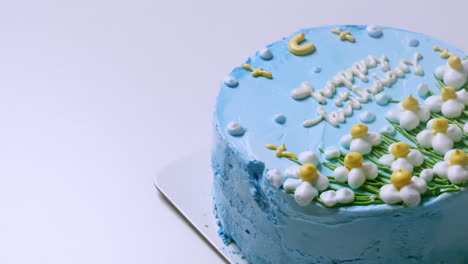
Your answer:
<point x="280" y="231"/>
<point x="413" y="42"/>
<point x="279" y="118"/>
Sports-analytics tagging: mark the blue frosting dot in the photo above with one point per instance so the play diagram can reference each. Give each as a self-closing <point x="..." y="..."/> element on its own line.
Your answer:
<point x="413" y="42"/>
<point x="367" y="117"/>
<point x="265" y="54"/>
<point x="230" y="81"/>
<point x="279" y="118"/>
<point x="389" y="130"/>
<point x="317" y="70"/>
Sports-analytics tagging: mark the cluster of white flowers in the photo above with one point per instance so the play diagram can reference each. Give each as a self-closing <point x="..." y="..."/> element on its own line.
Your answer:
<point x="403" y="188"/>
<point x="360" y="139"/>
<point x="439" y="135"/>
<point x="455" y="73"/>
<point x="450" y="102"/>
<point x="402" y="157"/>
<point x="409" y="114"/>
<point x="355" y="171"/>
<point x="305" y="181"/>
<point x="454" y="167"/>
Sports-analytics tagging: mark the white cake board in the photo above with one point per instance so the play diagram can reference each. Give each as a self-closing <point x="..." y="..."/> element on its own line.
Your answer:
<point x="187" y="186"/>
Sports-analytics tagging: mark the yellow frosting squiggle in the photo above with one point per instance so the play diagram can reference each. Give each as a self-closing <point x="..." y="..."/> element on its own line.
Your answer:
<point x="257" y="72"/>
<point x="344" y="35"/>
<point x="300" y="50"/>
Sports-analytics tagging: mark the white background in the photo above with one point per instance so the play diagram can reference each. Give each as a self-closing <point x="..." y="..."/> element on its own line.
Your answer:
<point x="97" y="96"/>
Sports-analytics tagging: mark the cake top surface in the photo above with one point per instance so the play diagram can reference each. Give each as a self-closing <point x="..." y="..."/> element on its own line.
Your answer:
<point x="308" y="91"/>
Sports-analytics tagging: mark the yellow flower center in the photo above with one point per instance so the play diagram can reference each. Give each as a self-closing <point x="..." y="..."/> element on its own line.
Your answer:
<point x="308" y="172"/>
<point x="440" y="125"/>
<point x="410" y="103"/>
<point x="458" y="157"/>
<point x="400" y="178"/>
<point x="353" y="160"/>
<point x="359" y="130"/>
<point x="455" y="62"/>
<point x="400" y="150"/>
<point x="448" y="92"/>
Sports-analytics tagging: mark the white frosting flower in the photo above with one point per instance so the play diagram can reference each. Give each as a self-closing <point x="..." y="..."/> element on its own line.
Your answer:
<point x="401" y="157"/>
<point x="427" y="175"/>
<point x="455" y="73"/>
<point x="332" y="152"/>
<point x="403" y="188"/>
<point x="409" y="114"/>
<point x="306" y="183"/>
<point x="355" y="171"/>
<point x="276" y="177"/>
<point x="340" y="196"/>
<point x="440" y="135"/>
<point x="360" y="140"/>
<point x="465" y="128"/>
<point x="308" y="157"/>
<point x="454" y="167"/>
<point x="450" y="102"/>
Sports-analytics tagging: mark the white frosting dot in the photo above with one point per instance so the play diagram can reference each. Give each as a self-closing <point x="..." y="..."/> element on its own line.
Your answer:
<point x="367" y="117"/>
<point x="382" y="98"/>
<point x="332" y="152"/>
<point x="235" y="129"/>
<point x="374" y="31"/>
<point x="231" y="81"/>
<point x="423" y="89"/>
<point x="389" y="130"/>
<point x="265" y="54"/>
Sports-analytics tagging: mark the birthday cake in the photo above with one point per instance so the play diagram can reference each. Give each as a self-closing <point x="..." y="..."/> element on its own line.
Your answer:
<point x="345" y="144"/>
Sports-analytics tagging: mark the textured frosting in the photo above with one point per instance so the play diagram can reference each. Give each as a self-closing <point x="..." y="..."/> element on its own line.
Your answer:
<point x="267" y="224"/>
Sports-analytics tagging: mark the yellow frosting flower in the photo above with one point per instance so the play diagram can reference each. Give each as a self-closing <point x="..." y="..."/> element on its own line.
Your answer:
<point x="308" y="172"/>
<point x="448" y="92"/>
<point x="440" y="125"/>
<point x="400" y="178"/>
<point x="353" y="160"/>
<point x="410" y="103"/>
<point x="400" y="150"/>
<point x="359" y="130"/>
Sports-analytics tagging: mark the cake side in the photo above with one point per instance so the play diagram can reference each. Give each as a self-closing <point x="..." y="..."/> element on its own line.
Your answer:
<point x="270" y="227"/>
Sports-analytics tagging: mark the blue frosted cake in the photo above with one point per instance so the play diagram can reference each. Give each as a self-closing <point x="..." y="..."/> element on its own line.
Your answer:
<point x="345" y="144"/>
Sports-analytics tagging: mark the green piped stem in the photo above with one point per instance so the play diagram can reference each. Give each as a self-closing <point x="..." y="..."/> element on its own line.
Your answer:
<point x="440" y="181"/>
<point x="329" y="165"/>
<point x="368" y="202"/>
<point x="406" y="135"/>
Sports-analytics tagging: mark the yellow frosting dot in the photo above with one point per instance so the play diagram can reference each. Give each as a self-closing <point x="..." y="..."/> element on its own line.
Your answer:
<point x="400" y="150"/>
<point x="400" y="178"/>
<point x="353" y="160"/>
<point x="410" y="103"/>
<point x="455" y="62"/>
<point x="458" y="157"/>
<point x="448" y="92"/>
<point x="359" y="130"/>
<point x="308" y="172"/>
<point x="440" y="125"/>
